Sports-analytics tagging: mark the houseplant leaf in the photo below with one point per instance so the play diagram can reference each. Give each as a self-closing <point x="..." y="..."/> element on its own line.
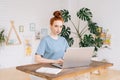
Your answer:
<point x="2" y="36"/>
<point x="87" y="41"/>
<point x="84" y="14"/>
<point x="65" y="15"/>
<point x="66" y="31"/>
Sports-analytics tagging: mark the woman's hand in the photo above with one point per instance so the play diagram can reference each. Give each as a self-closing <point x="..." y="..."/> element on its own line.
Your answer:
<point x="39" y="59"/>
<point x="59" y="61"/>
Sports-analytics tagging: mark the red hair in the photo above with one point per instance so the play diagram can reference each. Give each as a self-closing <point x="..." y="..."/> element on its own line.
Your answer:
<point x="57" y="16"/>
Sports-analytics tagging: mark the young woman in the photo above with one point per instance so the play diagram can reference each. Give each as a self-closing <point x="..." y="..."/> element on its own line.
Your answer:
<point x="52" y="47"/>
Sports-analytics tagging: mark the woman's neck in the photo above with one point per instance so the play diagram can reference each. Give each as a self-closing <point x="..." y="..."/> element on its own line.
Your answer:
<point x="54" y="36"/>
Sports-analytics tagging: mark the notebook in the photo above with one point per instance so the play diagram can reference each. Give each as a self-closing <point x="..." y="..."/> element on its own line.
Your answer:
<point x="76" y="57"/>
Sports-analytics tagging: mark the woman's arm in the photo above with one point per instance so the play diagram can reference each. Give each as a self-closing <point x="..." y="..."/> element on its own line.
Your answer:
<point x="39" y="59"/>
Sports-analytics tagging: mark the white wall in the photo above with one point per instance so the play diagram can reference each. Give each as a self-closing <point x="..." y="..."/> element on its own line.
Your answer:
<point x="24" y="12"/>
<point x="105" y="13"/>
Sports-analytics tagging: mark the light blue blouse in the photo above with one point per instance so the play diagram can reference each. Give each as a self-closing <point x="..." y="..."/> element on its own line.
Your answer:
<point x="52" y="49"/>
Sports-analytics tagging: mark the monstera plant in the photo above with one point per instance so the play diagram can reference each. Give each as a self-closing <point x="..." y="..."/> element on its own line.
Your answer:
<point x="66" y="31"/>
<point x="88" y="34"/>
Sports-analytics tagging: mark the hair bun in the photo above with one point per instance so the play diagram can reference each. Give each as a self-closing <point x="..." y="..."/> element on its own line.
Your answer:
<point x="57" y="14"/>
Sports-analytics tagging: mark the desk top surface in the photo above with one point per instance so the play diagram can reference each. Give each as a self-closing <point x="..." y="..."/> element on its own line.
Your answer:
<point x="95" y="65"/>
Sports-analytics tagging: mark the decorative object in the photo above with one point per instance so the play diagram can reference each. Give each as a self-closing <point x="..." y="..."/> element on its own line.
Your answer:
<point x="44" y="32"/>
<point x="37" y="35"/>
<point x="32" y="26"/>
<point x="21" y="28"/>
<point x="89" y="34"/>
<point x="106" y="36"/>
<point x="13" y="41"/>
<point x="28" y="47"/>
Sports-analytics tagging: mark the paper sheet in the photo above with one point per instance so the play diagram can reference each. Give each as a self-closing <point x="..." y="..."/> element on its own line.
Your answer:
<point x="49" y="70"/>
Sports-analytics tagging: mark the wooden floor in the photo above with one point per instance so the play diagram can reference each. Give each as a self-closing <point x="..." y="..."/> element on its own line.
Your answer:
<point x="13" y="74"/>
<point x="107" y="75"/>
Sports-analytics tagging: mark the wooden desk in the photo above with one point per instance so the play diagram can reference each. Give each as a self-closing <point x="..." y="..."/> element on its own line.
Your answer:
<point x="65" y="73"/>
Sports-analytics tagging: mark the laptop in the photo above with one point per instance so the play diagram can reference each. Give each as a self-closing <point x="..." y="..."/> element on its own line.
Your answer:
<point x="76" y="57"/>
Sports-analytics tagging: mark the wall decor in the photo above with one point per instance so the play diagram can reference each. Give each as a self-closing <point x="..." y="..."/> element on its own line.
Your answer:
<point x="32" y="26"/>
<point x="21" y="28"/>
<point x="13" y="41"/>
<point x="44" y="31"/>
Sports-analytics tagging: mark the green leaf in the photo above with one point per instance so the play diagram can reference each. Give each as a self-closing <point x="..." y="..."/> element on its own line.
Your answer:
<point x="84" y="14"/>
<point x="93" y="27"/>
<point x="65" y="15"/>
<point x="87" y="41"/>
<point x="66" y="31"/>
<point x="2" y="36"/>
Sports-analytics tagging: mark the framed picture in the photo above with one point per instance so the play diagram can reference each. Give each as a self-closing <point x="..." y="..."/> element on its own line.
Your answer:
<point x="44" y="31"/>
<point x="21" y="28"/>
<point x="32" y="26"/>
<point x="13" y="37"/>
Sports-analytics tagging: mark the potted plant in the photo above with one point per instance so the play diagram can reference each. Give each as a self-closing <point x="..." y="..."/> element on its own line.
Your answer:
<point x="2" y="36"/>
<point x="89" y="35"/>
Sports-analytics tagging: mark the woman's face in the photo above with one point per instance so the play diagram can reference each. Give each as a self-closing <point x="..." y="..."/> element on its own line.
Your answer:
<point x="56" y="27"/>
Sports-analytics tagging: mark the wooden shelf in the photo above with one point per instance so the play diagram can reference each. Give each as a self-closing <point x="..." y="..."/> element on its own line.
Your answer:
<point x="12" y="28"/>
